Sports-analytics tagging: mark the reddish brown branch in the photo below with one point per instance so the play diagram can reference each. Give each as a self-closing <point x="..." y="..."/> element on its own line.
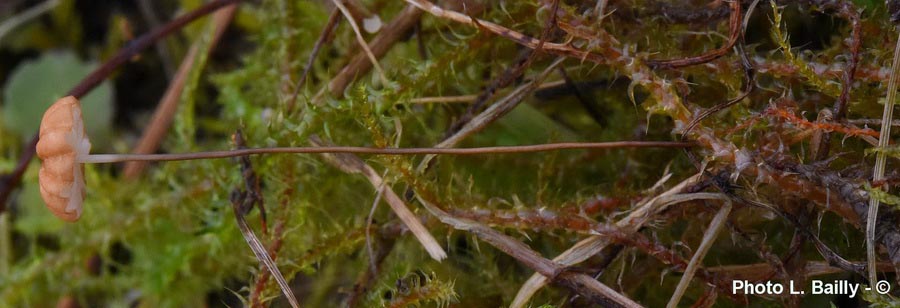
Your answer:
<point x="840" y="107"/>
<point x="734" y="26"/>
<point x="849" y="11"/>
<point x="583" y="284"/>
<point x="845" y="197"/>
<point x="792" y="118"/>
<point x="325" y="37"/>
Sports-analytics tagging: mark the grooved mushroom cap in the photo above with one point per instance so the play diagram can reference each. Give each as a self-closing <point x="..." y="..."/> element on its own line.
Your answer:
<point x="61" y="144"/>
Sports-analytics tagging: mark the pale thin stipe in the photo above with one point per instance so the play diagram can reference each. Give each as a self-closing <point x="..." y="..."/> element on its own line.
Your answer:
<point x="114" y="158"/>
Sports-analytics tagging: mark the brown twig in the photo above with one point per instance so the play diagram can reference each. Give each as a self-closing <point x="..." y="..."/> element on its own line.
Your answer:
<point x="586" y="248"/>
<point x="839" y="111"/>
<point x="846" y="197"/>
<point x="867" y="73"/>
<point x="252" y="182"/>
<point x="790" y="117"/>
<point x="840" y="106"/>
<point x="254" y="192"/>
<point x="749" y="78"/>
<point x="826" y="252"/>
<point x="544" y="219"/>
<point x="734" y="25"/>
<point x="584" y="285"/>
<point x="749" y="85"/>
<point x="324" y="37"/>
<point x="168" y="104"/>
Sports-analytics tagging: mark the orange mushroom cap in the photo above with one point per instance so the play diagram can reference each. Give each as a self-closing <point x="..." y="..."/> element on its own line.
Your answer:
<point x="62" y="142"/>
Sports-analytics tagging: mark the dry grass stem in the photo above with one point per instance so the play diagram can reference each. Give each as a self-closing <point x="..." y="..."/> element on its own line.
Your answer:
<point x="715" y="227"/>
<point x="585" y="285"/>
<point x="260" y="251"/>
<point x="362" y="41"/>
<point x="590" y="246"/>
<point x="353" y="165"/>
<point x="880" y="159"/>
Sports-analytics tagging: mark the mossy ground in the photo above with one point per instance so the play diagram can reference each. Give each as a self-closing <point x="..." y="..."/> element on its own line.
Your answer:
<point x="169" y="239"/>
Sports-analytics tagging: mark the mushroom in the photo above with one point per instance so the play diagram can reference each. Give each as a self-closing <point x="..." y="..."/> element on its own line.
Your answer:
<point x="62" y="147"/>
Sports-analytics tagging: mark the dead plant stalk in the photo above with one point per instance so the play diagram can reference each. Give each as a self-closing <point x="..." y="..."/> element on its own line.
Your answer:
<point x="880" y="160"/>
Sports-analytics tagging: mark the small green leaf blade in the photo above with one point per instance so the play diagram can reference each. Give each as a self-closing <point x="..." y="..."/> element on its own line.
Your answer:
<point x="35" y="85"/>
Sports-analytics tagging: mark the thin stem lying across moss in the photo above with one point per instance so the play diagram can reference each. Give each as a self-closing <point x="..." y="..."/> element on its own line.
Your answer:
<point x="113" y="158"/>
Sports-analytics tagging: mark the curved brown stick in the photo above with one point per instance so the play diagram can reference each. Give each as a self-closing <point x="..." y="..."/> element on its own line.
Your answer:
<point x="734" y="25"/>
<point x="840" y="106"/>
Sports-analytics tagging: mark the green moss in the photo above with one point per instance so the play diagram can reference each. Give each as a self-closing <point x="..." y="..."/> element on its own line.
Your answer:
<point x="169" y="239"/>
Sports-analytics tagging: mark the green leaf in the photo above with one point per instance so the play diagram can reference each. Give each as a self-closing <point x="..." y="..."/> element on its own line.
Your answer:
<point x="35" y="85"/>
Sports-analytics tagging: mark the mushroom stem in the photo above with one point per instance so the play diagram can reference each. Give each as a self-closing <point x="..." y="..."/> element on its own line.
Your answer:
<point x="113" y="158"/>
